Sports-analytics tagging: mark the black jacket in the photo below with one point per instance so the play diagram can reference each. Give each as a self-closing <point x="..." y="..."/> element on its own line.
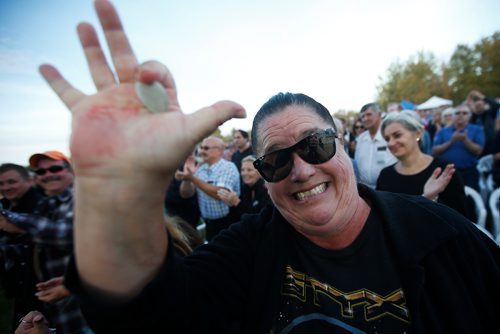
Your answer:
<point x="448" y="268"/>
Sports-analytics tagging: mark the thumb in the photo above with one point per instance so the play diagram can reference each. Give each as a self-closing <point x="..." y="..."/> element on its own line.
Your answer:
<point x="40" y="323"/>
<point x="206" y="120"/>
<point x="38" y="319"/>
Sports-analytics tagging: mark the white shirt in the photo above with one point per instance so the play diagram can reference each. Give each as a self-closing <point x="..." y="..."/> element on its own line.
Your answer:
<point x="372" y="155"/>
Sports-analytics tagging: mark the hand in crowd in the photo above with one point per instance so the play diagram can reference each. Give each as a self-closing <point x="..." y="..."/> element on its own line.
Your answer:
<point x="114" y="135"/>
<point x="188" y="170"/>
<point x="459" y="135"/>
<point x="228" y="196"/>
<point x="438" y="181"/>
<point x="52" y="290"/>
<point x="33" y="323"/>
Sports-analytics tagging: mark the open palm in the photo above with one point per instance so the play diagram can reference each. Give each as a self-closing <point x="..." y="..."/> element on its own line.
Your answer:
<point x="113" y="134"/>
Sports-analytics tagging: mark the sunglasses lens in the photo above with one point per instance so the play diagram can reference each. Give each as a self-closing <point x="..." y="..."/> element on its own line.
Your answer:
<point x="52" y="169"/>
<point x="315" y="149"/>
<point x="55" y="169"/>
<point x="40" y="171"/>
<point x="275" y="166"/>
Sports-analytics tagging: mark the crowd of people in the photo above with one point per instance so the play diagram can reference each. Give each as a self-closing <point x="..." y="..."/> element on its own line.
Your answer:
<point x="312" y="224"/>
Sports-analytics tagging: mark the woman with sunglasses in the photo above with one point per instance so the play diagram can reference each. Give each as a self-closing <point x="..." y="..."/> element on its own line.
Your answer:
<point x="357" y="129"/>
<point x="417" y="173"/>
<point x="330" y="256"/>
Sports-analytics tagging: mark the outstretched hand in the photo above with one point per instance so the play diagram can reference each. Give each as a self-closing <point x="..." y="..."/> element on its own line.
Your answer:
<point x="438" y="181"/>
<point x="124" y="156"/>
<point x="113" y="134"/>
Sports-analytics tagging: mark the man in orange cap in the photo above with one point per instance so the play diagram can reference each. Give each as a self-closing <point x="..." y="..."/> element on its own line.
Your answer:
<point x="51" y="229"/>
<point x="53" y="172"/>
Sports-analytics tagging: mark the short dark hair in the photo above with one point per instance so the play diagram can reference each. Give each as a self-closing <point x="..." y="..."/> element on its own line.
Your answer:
<point x="244" y="134"/>
<point x="279" y="102"/>
<point x="373" y="105"/>
<point x="18" y="168"/>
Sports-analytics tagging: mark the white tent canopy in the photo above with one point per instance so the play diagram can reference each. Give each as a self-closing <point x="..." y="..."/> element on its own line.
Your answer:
<point x="434" y="102"/>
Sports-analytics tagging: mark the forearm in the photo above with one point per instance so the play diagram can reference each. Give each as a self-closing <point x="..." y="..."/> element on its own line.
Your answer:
<point x="7" y="226"/>
<point x="474" y="148"/>
<point x="120" y="238"/>
<point x="57" y="231"/>
<point x="438" y="149"/>
<point x="207" y="188"/>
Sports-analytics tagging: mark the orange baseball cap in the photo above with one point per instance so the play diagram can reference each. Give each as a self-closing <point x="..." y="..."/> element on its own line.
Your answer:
<point x="53" y="155"/>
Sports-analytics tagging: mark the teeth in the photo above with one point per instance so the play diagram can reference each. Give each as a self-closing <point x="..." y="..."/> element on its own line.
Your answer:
<point x="314" y="191"/>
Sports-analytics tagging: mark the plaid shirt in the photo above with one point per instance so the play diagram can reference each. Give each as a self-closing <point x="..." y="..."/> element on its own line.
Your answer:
<point x="51" y="228"/>
<point x="223" y="173"/>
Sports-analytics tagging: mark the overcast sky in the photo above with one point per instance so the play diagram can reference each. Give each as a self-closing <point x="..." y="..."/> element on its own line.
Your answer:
<point x="246" y="51"/>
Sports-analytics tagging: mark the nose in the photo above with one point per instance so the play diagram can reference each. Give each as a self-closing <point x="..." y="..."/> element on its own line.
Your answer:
<point x="301" y="170"/>
<point x="390" y="142"/>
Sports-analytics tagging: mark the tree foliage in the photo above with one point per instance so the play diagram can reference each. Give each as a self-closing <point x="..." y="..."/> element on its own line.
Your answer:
<point x="470" y="67"/>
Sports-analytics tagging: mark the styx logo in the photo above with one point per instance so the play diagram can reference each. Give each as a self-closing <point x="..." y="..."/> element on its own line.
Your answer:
<point x="373" y="305"/>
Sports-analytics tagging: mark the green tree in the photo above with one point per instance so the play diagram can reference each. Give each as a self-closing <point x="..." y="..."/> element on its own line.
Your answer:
<point x="488" y="51"/>
<point x="416" y="80"/>
<point x="463" y="76"/>
<point x="469" y="67"/>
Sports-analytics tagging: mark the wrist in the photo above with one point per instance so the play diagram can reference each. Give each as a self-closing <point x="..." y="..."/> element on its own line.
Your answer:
<point x="431" y="197"/>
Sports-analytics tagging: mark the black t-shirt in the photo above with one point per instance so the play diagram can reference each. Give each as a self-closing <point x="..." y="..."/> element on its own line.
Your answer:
<point x="326" y="291"/>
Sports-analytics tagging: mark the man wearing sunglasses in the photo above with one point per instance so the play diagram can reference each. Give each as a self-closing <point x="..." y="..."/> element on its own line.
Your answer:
<point x="331" y="256"/>
<point x="461" y="143"/>
<point x="213" y="174"/>
<point x="50" y="227"/>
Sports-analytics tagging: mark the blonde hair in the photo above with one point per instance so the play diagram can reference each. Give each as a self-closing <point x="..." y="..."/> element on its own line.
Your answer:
<point x="184" y="237"/>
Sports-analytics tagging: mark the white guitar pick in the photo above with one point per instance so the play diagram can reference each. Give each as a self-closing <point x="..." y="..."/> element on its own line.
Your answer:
<point x="153" y="96"/>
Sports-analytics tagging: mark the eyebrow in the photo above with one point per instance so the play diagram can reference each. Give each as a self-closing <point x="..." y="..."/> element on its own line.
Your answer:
<point x="276" y="147"/>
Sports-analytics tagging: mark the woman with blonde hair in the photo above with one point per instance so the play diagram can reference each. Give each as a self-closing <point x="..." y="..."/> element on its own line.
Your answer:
<point x="417" y="173"/>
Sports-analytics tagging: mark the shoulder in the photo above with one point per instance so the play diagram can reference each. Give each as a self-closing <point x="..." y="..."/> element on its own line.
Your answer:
<point x="476" y="127"/>
<point x="230" y="167"/>
<point x="437" y="162"/>
<point x="388" y="171"/>
<point x="363" y="136"/>
<point x="417" y="226"/>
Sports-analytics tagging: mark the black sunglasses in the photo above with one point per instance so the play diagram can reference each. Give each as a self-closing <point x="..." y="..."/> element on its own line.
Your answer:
<point x="315" y="149"/>
<point x="206" y="148"/>
<point x="52" y="169"/>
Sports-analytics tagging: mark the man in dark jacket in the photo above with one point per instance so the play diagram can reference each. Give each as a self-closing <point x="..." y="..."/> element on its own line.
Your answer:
<point x="484" y="113"/>
<point x="329" y="257"/>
